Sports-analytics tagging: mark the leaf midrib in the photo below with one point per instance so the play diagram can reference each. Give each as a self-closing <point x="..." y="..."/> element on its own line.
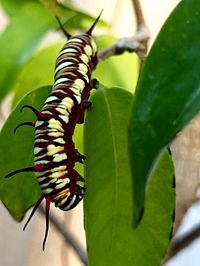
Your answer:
<point x="115" y="169"/>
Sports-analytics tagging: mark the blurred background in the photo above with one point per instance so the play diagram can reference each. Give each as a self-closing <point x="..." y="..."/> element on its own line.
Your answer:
<point x="24" y="248"/>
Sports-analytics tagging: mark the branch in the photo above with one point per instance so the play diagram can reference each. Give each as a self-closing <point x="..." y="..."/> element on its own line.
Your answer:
<point x="137" y="43"/>
<point x="68" y="237"/>
<point x="138" y="13"/>
<point x="181" y="242"/>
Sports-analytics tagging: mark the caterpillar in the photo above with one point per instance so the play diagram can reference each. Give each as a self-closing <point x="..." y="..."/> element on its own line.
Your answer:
<point x="54" y="150"/>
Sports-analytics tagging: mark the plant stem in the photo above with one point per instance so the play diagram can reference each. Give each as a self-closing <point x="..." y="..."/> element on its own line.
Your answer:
<point x="181" y="242"/>
<point x="67" y="235"/>
<point x="137" y="43"/>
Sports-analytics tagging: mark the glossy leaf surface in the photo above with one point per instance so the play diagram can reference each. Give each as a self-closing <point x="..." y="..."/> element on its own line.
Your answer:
<point x="111" y="239"/>
<point x="19" y="40"/>
<point x="11" y="7"/>
<point x="41" y="66"/>
<point x="167" y="95"/>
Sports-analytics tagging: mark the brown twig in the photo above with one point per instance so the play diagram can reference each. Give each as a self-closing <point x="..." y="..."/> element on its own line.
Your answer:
<point x="181" y="242"/>
<point x="137" y="43"/>
<point x="68" y="237"/>
<point x="138" y="13"/>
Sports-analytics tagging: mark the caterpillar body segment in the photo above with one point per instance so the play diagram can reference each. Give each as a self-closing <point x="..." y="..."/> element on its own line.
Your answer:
<point x="55" y="154"/>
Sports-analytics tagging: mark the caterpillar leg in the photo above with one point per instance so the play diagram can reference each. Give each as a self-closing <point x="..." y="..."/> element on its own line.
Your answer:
<point x="24" y="124"/>
<point x="94" y="84"/>
<point x="81" y="158"/>
<point x="87" y="105"/>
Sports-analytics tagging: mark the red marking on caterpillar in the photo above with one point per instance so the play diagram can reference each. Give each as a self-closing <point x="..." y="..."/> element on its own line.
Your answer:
<point x="54" y="149"/>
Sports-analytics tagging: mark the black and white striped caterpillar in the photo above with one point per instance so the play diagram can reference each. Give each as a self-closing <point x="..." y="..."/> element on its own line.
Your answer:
<point x="54" y="150"/>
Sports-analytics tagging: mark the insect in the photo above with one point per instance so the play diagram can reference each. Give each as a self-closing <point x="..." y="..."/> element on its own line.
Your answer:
<point x="54" y="150"/>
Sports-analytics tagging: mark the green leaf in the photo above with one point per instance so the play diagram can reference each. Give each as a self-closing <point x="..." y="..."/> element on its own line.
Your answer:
<point x="73" y="17"/>
<point x="167" y="95"/>
<point x="41" y="66"/>
<point x="111" y="239"/>
<point x="114" y="71"/>
<point x="20" y="192"/>
<point x="19" y="40"/>
<point x="11" y="7"/>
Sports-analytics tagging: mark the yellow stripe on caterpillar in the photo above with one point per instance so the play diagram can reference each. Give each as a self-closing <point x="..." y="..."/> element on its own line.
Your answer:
<point x="59" y="157"/>
<point x="62" y="194"/>
<point x="94" y="47"/>
<point x="58" y="174"/>
<point x="62" y="111"/>
<point x="84" y="58"/>
<point x="55" y="134"/>
<point x="83" y="68"/>
<point x="52" y="149"/>
<point x="88" y="50"/>
<point x="55" y="124"/>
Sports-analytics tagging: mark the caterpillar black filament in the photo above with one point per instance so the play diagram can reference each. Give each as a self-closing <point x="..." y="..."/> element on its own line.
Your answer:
<point x="54" y="150"/>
